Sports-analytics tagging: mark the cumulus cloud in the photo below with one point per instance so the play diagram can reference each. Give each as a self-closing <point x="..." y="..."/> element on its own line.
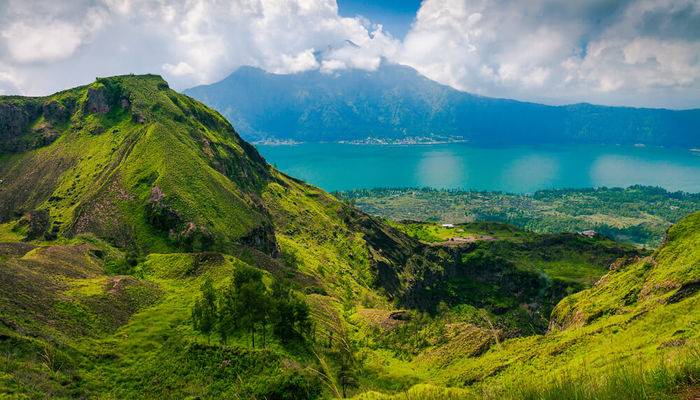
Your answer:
<point x="644" y="52"/>
<point x="35" y="37"/>
<point x="189" y="41"/>
<point x="51" y="42"/>
<point x="8" y="82"/>
<point x="637" y="52"/>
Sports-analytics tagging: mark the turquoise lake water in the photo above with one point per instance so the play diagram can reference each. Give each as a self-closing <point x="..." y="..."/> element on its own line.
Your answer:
<point x="462" y="166"/>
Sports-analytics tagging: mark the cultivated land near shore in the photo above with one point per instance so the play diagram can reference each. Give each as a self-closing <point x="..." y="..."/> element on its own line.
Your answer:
<point x="637" y="214"/>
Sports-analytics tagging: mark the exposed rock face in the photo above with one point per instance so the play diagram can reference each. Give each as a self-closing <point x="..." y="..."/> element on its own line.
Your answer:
<point x="57" y="112"/>
<point x="97" y="101"/>
<point x="160" y="214"/>
<point x="18" y="117"/>
<point x="262" y="239"/>
<point x="15" y="119"/>
<point x="39" y="222"/>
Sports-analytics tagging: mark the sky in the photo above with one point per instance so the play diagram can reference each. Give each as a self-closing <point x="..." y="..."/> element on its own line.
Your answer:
<point x="617" y="52"/>
<point x="396" y="16"/>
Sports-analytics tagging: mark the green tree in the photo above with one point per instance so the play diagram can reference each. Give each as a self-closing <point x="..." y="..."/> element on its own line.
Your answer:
<point x="204" y="313"/>
<point x="245" y="304"/>
<point x="291" y="315"/>
<point x="228" y="322"/>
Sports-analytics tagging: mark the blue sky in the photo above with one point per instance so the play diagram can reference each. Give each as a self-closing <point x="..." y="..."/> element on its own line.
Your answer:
<point x="395" y="15"/>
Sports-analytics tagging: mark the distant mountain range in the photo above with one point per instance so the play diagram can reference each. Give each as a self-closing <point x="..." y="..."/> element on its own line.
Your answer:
<point x="395" y="102"/>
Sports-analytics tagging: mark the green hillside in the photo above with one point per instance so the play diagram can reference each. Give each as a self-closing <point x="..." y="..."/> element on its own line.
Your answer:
<point x="124" y="205"/>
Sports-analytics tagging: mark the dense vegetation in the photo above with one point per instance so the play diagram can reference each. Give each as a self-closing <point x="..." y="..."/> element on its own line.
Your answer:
<point x="247" y="304"/>
<point x="638" y="214"/>
<point x="146" y="251"/>
<point x="395" y="102"/>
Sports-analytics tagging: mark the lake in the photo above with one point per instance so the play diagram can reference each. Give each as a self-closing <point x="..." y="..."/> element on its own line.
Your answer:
<point x="520" y="169"/>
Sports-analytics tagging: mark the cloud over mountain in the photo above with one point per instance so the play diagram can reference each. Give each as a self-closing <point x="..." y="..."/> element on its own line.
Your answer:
<point x="643" y="52"/>
<point x="605" y="51"/>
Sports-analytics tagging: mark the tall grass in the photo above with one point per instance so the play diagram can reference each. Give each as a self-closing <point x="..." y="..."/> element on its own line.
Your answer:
<point x="631" y="381"/>
<point x="668" y="379"/>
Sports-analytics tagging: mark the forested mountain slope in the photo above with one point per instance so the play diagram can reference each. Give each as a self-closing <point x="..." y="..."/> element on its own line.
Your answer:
<point x="395" y="102"/>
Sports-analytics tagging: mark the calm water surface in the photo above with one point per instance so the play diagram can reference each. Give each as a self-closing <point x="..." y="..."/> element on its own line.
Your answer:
<point x="461" y="166"/>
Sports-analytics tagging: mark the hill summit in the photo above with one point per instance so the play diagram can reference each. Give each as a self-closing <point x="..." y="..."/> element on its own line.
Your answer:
<point x="131" y="158"/>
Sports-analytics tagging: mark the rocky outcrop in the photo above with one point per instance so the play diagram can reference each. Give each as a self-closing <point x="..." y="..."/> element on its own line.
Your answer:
<point x="21" y="125"/>
<point x="97" y="100"/>
<point x="39" y="223"/>
<point x="15" y="120"/>
<point x="263" y="239"/>
<point x="15" y="117"/>
<point x="104" y="96"/>
<point x="58" y="112"/>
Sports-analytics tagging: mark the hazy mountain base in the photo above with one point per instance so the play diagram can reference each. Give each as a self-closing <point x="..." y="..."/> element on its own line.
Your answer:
<point x="139" y="194"/>
<point x="638" y="214"/>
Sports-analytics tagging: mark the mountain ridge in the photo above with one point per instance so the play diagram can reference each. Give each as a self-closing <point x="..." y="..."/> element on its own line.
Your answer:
<point x="396" y="102"/>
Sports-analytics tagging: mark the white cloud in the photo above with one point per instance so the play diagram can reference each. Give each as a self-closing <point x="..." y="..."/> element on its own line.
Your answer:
<point x="639" y="52"/>
<point x="291" y="64"/>
<point x="37" y="38"/>
<point x="9" y="83"/>
<point x="642" y="63"/>
<point x="55" y="41"/>
<point x="190" y="41"/>
<point x="180" y="69"/>
<point x="644" y="52"/>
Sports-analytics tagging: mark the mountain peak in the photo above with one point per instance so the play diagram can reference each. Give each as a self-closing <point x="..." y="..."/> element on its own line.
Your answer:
<point x="395" y="102"/>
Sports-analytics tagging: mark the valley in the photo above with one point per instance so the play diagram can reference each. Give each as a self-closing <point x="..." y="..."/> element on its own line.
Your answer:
<point x="638" y="214"/>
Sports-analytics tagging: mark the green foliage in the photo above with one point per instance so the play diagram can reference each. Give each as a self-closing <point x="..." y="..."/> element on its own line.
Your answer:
<point x="676" y="379"/>
<point x="291" y="314"/>
<point x="247" y="304"/>
<point x="204" y="313"/>
<point x="638" y="214"/>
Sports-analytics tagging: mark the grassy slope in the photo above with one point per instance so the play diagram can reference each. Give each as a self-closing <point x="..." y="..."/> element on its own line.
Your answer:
<point x="97" y="176"/>
<point x="635" y="317"/>
<point x="210" y="177"/>
<point x="110" y="326"/>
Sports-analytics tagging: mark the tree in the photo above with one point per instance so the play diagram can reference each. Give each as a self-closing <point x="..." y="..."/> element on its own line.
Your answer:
<point x="227" y="323"/>
<point x="247" y="304"/>
<point x="250" y="299"/>
<point x="204" y="313"/>
<point x="291" y="314"/>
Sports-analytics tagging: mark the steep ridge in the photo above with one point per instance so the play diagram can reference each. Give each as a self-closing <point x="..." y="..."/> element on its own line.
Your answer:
<point x="131" y="161"/>
<point x="110" y="227"/>
<point x="395" y="102"/>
